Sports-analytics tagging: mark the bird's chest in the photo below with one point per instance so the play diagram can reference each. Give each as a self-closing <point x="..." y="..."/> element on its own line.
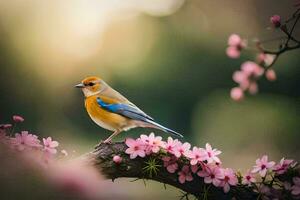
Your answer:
<point x="104" y="118"/>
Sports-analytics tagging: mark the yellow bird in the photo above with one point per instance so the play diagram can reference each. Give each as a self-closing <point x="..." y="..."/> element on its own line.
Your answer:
<point x="112" y="111"/>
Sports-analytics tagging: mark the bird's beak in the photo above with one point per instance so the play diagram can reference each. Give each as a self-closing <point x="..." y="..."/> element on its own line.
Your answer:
<point x="80" y="85"/>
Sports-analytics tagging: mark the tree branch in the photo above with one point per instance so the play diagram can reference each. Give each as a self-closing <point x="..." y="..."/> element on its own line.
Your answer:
<point x="102" y="156"/>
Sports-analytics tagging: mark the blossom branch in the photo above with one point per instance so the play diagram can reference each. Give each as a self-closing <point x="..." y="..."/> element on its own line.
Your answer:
<point x="251" y="71"/>
<point x="194" y="170"/>
<point x="134" y="168"/>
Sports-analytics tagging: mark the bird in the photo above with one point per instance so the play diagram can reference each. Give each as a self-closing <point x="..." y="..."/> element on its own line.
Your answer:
<point x="112" y="111"/>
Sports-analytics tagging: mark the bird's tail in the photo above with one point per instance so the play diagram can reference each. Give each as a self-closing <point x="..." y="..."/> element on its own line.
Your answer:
<point x="161" y="127"/>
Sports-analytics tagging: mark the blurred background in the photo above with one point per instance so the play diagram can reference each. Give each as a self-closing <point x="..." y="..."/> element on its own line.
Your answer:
<point x="167" y="57"/>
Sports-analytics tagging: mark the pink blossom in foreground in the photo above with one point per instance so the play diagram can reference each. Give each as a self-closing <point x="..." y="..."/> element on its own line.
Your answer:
<point x="248" y="178"/>
<point x="136" y="148"/>
<point x="171" y="145"/>
<point x="296" y="187"/>
<point x="212" y="174"/>
<point x="282" y="166"/>
<point x="197" y="155"/>
<point x="153" y="143"/>
<point x="235" y="45"/>
<point x="182" y="149"/>
<point x="18" y="118"/>
<point x="75" y="179"/>
<point x="262" y="166"/>
<point x="271" y="75"/>
<point x="237" y="94"/>
<point x="50" y="145"/>
<point x="117" y="159"/>
<point x="25" y="140"/>
<point x="212" y="154"/>
<point x="229" y="179"/>
<point x="185" y="174"/>
<point x="276" y="21"/>
<point x="170" y="163"/>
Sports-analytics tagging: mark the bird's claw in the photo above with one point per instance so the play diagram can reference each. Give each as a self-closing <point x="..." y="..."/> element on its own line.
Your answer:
<point x="102" y="142"/>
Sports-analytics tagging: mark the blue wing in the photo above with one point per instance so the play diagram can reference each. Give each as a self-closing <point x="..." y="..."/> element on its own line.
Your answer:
<point x="133" y="112"/>
<point x="126" y="110"/>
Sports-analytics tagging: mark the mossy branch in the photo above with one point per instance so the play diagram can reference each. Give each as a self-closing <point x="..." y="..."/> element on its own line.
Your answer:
<point x="102" y="159"/>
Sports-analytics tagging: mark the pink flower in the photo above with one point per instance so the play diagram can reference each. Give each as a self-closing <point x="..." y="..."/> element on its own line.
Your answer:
<point x="234" y="40"/>
<point x="197" y="155"/>
<point x="136" y="148"/>
<point x="252" y="69"/>
<point x="229" y="179"/>
<point x="242" y="79"/>
<point x="153" y="143"/>
<point x="171" y="145"/>
<point x="117" y="159"/>
<point x="253" y="88"/>
<point x="237" y="94"/>
<point x="271" y="75"/>
<point x="24" y="140"/>
<point x="170" y="163"/>
<point x="182" y="149"/>
<point x="212" y="174"/>
<point x="5" y="126"/>
<point x="194" y="168"/>
<point x="248" y="178"/>
<point x="233" y="52"/>
<point x="265" y="59"/>
<point x="262" y="166"/>
<point x="185" y="174"/>
<point x="275" y="20"/>
<point x="18" y="118"/>
<point x="296" y="187"/>
<point x="246" y="78"/>
<point x="212" y="154"/>
<point x="50" y="145"/>
<point x="282" y="166"/>
<point x="235" y="45"/>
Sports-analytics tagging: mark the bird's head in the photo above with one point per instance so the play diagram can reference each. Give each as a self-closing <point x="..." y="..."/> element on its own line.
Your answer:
<point x="91" y="85"/>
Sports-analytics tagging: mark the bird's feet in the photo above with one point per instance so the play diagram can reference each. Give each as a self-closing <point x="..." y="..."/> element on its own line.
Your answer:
<point x="102" y="142"/>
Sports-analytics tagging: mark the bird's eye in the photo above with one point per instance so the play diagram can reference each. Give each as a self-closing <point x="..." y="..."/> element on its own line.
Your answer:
<point x="91" y="84"/>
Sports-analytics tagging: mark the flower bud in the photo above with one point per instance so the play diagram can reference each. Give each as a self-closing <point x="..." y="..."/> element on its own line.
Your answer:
<point x="275" y="20"/>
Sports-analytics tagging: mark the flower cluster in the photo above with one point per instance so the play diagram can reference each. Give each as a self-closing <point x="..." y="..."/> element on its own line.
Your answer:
<point x="70" y="177"/>
<point x="26" y="142"/>
<point x="235" y="45"/>
<point x="273" y="181"/>
<point x="252" y="71"/>
<point x="249" y="73"/>
<point x="179" y="158"/>
<point x="188" y="163"/>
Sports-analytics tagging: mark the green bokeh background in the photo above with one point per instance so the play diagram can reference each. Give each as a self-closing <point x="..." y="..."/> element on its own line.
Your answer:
<point x="170" y="61"/>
